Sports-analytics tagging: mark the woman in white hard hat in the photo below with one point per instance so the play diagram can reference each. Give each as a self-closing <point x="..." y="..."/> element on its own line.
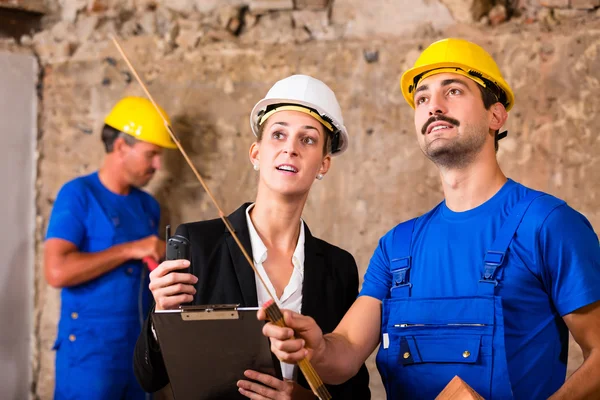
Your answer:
<point x="299" y="127"/>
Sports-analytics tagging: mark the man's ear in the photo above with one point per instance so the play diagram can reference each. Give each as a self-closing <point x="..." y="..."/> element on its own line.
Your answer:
<point x="498" y="116"/>
<point x="120" y="146"/>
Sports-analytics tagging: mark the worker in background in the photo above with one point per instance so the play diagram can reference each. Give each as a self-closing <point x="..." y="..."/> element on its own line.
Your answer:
<point x="102" y="225"/>
<point x="488" y="284"/>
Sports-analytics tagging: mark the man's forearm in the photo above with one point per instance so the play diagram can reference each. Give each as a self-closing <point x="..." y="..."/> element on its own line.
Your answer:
<point x="584" y="383"/>
<point x="76" y="267"/>
<point x="345" y="350"/>
<point x="342" y="360"/>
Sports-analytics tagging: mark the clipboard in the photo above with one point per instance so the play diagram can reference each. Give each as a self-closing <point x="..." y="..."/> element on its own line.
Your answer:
<point x="206" y="349"/>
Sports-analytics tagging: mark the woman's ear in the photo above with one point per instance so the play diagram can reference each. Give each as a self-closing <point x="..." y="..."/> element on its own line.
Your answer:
<point x="325" y="164"/>
<point x="254" y="154"/>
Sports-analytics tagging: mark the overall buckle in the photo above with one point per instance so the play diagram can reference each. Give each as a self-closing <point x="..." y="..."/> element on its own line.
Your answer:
<point x="492" y="261"/>
<point x="399" y="274"/>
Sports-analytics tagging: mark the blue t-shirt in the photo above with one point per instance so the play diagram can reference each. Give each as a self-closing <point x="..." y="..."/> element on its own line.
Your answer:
<point x="554" y="270"/>
<point x="94" y="219"/>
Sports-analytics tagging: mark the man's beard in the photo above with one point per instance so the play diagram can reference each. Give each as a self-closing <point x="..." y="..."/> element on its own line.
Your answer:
<point x="458" y="152"/>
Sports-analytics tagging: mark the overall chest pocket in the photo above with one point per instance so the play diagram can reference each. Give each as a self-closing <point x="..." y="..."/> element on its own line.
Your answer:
<point x="459" y="349"/>
<point x="428" y="342"/>
<point x="110" y="229"/>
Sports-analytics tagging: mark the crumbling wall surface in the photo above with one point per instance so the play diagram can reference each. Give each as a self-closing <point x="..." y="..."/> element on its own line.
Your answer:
<point x="208" y="62"/>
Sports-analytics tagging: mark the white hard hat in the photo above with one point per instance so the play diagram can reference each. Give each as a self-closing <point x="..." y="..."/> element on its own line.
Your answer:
<point x="308" y="92"/>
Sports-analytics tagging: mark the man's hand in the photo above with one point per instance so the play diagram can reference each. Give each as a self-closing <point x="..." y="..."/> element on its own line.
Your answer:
<point x="309" y="340"/>
<point x="150" y="246"/>
<point x="337" y="356"/>
<point x="171" y="289"/>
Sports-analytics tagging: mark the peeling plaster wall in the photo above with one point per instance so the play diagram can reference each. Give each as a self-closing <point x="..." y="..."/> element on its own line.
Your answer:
<point x="207" y="63"/>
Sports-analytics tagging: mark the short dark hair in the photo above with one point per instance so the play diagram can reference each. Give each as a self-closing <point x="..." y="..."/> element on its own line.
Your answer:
<point x="326" y="145"/>
<point x="489" y="99"/>
<point x="110" y="134"/>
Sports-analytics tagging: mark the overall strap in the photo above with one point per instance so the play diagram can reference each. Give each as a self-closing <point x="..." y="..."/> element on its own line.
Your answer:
<point x="496" y="255"/>
<point x="110" y="214"/>
<point x="400" y="258"/>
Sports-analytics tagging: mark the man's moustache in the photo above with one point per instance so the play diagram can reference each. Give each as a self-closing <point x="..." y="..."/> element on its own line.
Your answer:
<point x="436" y="118"/>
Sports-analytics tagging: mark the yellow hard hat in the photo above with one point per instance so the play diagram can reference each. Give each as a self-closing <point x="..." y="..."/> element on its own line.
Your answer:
<point x="136" y="116"/>
<point x="462" y="57"/>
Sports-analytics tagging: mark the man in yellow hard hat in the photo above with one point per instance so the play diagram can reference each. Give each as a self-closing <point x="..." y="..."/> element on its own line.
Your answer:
<point x="488" y="284"/>
<point x="102" y="225"/>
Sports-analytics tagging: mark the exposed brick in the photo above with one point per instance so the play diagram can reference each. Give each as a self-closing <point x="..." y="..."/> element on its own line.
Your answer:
<point x="262" y="6"/>
<point x="555" y="3"/>
<point x="25" y="5"/>
<point x="585" y="4"/>
<point x="86" y="26"/>
<point x="316" y="22"/>
<point x="97" y="6"/>
<point x="181" y="6"/>
<point x="189" y="34"/>
<point x="148" y="22"/>
<point x="466" y="11"/>
<point x="311" y="4"/>
<point x="570" y="13"/>
<point x="497" y="15"/>
<point x="70" y="8"/>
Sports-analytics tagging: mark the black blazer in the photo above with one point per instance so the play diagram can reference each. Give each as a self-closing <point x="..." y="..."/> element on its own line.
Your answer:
<point x="329" y="288"/>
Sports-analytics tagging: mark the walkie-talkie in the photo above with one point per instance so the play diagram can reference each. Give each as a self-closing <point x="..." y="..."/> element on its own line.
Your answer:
<point x="178" y="248"/>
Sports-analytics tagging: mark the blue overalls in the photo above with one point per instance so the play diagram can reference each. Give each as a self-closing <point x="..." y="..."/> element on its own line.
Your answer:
<point x="101" y="319"/>
<point x="428" y="341"/>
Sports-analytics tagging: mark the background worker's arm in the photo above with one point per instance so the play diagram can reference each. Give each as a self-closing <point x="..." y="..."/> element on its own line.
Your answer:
<point x="65" y="265"/>
<point x="64" y="262"/>
<point x="336" y="356"/>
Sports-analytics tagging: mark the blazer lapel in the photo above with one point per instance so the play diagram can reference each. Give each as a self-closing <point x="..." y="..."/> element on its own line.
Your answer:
<point x="314" y="273"/>
<point x="244" y="272"/>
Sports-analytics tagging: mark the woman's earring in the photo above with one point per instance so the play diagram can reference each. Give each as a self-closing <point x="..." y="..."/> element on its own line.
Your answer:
<point x="320" y="176"/>
<point x="256" y="167"/>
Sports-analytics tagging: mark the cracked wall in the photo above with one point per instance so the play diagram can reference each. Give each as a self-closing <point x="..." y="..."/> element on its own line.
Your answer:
<point x="207" y="63"/>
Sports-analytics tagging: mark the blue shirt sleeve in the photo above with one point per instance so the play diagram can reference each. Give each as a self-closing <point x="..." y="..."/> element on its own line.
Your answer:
<point x="67" y="220"/>
<point x="378" y="278"/>
<point x="571" y="259"/>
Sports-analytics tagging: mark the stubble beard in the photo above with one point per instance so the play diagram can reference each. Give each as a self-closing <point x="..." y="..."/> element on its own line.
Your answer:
<point x="458" y="152"/>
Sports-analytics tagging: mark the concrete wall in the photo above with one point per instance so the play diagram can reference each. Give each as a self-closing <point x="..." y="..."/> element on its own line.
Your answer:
<point x="208" y="62"/>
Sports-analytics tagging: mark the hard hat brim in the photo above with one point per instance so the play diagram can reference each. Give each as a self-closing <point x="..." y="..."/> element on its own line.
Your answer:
<point x="408" y="77"/>
<point x="264" y="103"/>
<point x="159" y="143"/>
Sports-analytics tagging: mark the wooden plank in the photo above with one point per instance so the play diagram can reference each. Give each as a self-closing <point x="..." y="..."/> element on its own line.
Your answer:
<point x="458" y="389"/>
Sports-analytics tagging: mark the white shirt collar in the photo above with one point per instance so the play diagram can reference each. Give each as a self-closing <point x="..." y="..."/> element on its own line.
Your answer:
<point x="259" y="250"/>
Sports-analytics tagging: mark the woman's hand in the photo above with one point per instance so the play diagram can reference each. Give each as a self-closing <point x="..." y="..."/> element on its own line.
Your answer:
<point x="169" y="288"/>
<point x="272" y="388"/>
